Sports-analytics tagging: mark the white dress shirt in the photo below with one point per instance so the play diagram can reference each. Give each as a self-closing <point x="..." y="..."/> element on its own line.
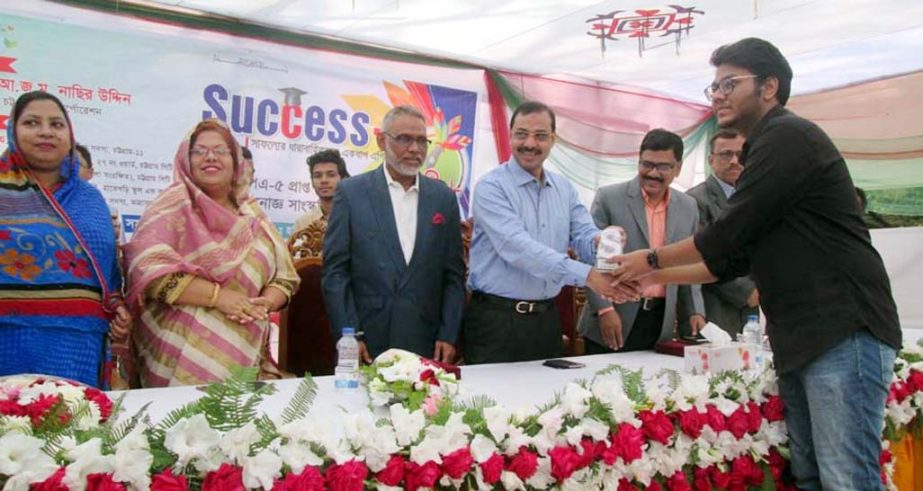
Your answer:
<point x="404" y="203"/>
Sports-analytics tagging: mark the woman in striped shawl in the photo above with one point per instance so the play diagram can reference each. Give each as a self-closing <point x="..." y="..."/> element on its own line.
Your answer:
<point x="59" y="280"/>
<point x="205" y="268"/>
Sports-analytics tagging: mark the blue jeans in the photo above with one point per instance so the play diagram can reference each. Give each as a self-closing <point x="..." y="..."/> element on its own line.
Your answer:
<point x="834" y="409"/>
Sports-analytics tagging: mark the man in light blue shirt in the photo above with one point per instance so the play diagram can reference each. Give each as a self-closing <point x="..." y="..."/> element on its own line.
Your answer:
<point x="525" y="218"/>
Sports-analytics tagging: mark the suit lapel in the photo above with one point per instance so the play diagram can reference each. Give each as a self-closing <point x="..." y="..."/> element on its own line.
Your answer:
<point x="636" y="206"/>
<point x="717" y="194"/>
<point x="673" y="217"/>
<point x="384" y="213"/>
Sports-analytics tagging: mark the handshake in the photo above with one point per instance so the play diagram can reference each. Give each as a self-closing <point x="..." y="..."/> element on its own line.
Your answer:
<point x="614" y="278"/>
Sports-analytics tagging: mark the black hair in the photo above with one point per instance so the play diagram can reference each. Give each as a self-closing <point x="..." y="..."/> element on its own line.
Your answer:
<point x="531" y="107"/>
<point x="329" y="156"/>
<point x="36" y="95"/>
<point x="661" y="139"/>
<point x="761" y="58"/>
<point x="726" y="133"/>
<point x="85" y="154"/>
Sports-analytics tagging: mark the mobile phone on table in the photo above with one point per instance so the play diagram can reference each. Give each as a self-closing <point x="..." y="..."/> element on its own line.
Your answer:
<point x="564" y="364"/>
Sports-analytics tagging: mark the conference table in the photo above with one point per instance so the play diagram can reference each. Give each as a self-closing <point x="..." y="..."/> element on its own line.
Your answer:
<point x="513" y="385"/>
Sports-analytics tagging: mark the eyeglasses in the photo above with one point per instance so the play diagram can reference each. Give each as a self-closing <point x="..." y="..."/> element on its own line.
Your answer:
<point x="727" y="155"/>
<point x="405" y="140"/>
<point x="725" y="86"/>
<point x="524" y="135"/>
<point x="662" y="168"/>
<point x="203" y="151"/>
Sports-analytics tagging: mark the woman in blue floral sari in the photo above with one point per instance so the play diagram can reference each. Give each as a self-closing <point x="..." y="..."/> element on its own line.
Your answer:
<point x="59" y="279"/>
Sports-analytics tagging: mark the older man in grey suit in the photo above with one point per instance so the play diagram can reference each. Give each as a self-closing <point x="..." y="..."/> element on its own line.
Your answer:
<point x="727" y="304"/>
<point x="652" y="216"/>
<point x="393" y="258"/>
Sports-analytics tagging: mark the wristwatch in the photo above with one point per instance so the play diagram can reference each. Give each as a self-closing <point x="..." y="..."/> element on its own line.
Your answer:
<point x="652" y="260"/>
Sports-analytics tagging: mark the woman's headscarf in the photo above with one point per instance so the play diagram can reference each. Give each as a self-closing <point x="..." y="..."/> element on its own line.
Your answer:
<point x="77" y="203"/>
<point x="185" y="230"/>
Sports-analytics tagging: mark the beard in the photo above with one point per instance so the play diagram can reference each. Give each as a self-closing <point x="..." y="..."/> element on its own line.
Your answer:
<point x="405" y="169"/>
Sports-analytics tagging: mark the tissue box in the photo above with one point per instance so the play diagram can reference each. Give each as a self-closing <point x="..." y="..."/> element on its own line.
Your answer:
<point x="713" y="358"/>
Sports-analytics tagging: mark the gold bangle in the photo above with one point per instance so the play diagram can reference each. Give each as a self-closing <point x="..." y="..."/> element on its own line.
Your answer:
<point x="212" y="301"/>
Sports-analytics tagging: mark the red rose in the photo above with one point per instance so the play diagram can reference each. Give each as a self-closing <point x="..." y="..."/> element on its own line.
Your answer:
<point x="720" y="479"/>
<point x="523" y="464"/>
<point x="103" y="482"/>
<point x="310" y="479"/>
<point x="915" y="380"/>
<point x="656" y="426"/>
<point x="12" y="408"/>
<point x="429" y="376"/>
<point x="626" y="443"/>
<point x="52" y="483"/>
<point x="227" y="478"/>
<point x="754" y="418"/>
<point x="774" y="409"/>
<point x="700" y="481"/>
<point x="438" y="219"/>
<point x="589" y="453"/>
<point x="457" y="463"/>
<point x="446" y="367"/>
<point x="746" y="471"/>
<point x="626" y="485"/>
<point x="777" y="464"/>
<point x="167" y="481"/>
<point x="102" y="401"/>
<point x="654" y="486"/>
<point x="38" y="409"/>
<point x="691" y="422"/>
<point x="737" y="423"/>
<point x="885" y="458"/>
<point x="393" y="473"/>
<point x="715" y="418"/>
<point x="421" y="476"/>
<point x="610" y="453"/>
<point x="346" y="477"/>
<point x="677" y="482"/>
<point x="564" y="461"/>
<point x="492" y="468"/>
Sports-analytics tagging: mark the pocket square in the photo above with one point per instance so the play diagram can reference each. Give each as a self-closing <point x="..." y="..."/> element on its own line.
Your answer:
<point x="438" y="219"/>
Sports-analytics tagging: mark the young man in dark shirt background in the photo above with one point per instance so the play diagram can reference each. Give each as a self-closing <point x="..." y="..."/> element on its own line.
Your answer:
<point x="793" y="224"/>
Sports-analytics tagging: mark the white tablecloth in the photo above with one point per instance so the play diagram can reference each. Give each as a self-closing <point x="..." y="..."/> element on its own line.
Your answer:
<point x="514" y="385"/>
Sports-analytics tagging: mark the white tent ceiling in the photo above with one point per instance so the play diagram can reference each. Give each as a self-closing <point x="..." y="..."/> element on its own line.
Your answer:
<point x="828" y="42"/>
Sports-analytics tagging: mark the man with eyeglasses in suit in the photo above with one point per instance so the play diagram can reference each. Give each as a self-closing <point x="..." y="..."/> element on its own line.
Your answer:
<point x="727" y="304"/>
<point x="652" y="215"/>
<point x="525" y="219"/>
<point x="393" y="258"/>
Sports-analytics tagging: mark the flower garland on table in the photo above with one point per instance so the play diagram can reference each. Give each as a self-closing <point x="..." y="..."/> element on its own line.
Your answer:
<point x="399" y="376"/>
<point x="904" y="406"/>
<point x="616" y="431"/>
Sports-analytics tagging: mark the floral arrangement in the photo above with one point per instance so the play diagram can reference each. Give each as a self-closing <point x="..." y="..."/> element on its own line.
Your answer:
<point x="616" y="431"/>
<point x="398" y="376"/>
<point x="39" y="405"/>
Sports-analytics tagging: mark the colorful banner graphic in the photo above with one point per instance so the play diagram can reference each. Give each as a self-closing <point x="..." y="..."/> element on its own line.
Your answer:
<point x="134" y="89"/>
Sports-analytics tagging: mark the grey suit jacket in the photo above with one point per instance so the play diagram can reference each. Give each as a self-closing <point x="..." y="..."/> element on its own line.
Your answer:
<point x="725" y="302"/>
<point x="367" y="283"/>
<point x="623" y="205"/>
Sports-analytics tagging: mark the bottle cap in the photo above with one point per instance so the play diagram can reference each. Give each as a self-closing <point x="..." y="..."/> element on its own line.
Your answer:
<point x="349" y="331"/>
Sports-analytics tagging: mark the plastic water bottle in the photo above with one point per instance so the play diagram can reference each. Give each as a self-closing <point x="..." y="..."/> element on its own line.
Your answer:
<point x="347" y="370"/>
<point x="753" y="335"/>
